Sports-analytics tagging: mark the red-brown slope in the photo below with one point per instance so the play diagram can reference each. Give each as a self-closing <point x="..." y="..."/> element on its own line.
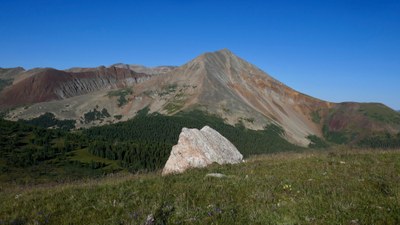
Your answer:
<point x="351" y="121"/>
<point x="51" y="84"/>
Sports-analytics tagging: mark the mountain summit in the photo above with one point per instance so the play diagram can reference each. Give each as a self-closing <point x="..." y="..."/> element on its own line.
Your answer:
<point x="219" y="83"/>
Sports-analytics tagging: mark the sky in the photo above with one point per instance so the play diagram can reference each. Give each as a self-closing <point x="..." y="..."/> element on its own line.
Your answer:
<point x="333" y="50"/>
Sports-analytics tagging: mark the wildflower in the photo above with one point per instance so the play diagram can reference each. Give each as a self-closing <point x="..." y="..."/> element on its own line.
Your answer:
<point x="287" y="187"/>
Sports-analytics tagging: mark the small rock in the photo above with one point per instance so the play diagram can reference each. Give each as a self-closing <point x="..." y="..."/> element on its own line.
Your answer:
<point x="217" y="175"/>
<point x="150" y="220"/>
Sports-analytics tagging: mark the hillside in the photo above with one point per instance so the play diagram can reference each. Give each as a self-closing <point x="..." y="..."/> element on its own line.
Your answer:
<point x="336" y="187"/>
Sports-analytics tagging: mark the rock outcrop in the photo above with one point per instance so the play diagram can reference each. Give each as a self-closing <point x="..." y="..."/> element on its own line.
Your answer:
<point x="199" y="148"/>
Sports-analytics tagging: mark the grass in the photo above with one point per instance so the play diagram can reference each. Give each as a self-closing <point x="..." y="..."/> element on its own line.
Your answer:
<point x="171" y="88"/>
<point x="336" y="187"/>
<point x="174" y="106"/>
<point x="315" y="116"/>
<point x="82" y="155"/>
<point x="380" y="112"/>
<point x="121" y="94"/>
<point x="176" y="103"/>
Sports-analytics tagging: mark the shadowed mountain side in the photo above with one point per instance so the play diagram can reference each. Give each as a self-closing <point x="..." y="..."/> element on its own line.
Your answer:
<point x="10" y="73"/>
<point x="7" y="76"/>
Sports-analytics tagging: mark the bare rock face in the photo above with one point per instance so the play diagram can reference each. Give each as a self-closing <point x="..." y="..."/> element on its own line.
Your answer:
<point x="199" y="148"/>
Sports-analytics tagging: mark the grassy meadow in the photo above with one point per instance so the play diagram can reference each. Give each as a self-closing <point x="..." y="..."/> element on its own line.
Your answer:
<point x="338" y="186"/>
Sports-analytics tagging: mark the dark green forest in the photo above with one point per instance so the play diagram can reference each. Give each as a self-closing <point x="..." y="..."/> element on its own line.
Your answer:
<point x="384" y="141"/>
<point x="160" y="129"/>
<point x="48" y="120"/>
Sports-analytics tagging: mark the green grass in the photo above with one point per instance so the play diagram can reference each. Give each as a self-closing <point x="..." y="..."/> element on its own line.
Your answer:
<point x="82" y="155"/>
<point x="166" y="90"/>
<point x="339" y="187"/>
<point x="315" y="116"/>
<point x="174" y="106"/>
<point x="121" y="94"/>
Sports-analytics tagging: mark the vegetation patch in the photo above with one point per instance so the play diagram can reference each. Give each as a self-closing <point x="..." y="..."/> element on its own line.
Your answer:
<point x="121" y="94"/>
<point x="316" y="142"/>
<point x="335" y="136"/>
<point x="274" y="128"/>
<point x="118" y="117"/>
<point x="380" y="112"/>
<point x="171" y="88"/>
<point x="48" y="120"/>
<point x="30" y="154"/>
<point x="95" y="115"/>
<point x="174" y="106"/>
<point x="383" y="141"/>
<point x="315" y="116"/>
<point x="176" y="103"/>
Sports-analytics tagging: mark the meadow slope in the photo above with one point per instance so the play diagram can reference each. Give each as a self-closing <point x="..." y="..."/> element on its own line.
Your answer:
<point x="331" y="187"/>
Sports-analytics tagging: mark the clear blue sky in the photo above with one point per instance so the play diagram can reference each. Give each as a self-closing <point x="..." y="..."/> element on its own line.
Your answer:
<point x="334" y="50"/>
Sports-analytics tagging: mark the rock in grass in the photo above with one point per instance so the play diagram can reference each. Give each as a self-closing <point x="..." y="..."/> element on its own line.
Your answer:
<point x="199" y="148"/>
<point x="217" y="175"/>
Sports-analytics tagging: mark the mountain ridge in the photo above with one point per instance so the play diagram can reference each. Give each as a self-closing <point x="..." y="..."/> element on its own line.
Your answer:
<point x="219" y="83"/>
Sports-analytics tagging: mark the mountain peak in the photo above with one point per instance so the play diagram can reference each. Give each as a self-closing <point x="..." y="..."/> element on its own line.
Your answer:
<point x="223" y="53"/>
<point x="216" y="59"/>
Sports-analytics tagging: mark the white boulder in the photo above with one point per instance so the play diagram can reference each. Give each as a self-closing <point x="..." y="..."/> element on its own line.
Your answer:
<point x="199" y="148"/>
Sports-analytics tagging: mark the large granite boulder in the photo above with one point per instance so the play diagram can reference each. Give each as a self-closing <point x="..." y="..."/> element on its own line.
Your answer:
<point x="199" y="148"/>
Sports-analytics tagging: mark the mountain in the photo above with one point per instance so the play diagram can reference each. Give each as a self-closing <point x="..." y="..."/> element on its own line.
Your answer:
<point x="219" y="83"/>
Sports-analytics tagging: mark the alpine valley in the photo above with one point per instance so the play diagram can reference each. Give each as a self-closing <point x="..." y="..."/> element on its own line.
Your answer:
<point x="87" y="146"/>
